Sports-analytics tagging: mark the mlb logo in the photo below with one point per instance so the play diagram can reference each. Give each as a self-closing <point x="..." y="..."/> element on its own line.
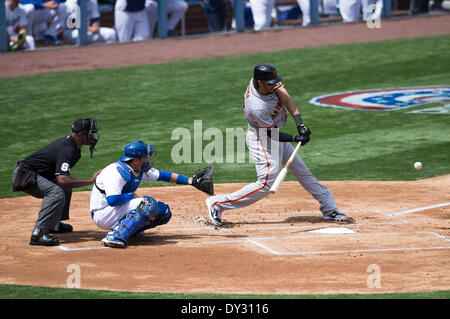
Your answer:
<point x="385" y="99"/>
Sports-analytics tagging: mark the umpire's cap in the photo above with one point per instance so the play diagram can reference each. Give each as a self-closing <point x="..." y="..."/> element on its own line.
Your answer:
<point x="136" y="149"/>
<point x="266" y="72"/>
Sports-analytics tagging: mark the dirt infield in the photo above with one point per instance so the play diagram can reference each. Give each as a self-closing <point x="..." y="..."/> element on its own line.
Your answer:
<point x="267" y="248"/>
<point x="398" y="238"/>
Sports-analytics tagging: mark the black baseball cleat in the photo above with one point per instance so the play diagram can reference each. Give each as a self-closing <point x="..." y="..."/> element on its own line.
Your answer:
<point x="63" y="228"/>
<point x="42" y="238"/>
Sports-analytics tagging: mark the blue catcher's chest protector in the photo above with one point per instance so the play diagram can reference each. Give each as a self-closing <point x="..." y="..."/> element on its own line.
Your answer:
<point x="127" y="173"/>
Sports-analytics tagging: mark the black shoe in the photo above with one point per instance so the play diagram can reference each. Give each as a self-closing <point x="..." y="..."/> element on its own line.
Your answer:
<point x="41" y="238"/>
<point x="172" y="33"/>
<point x="52" y="40"/>
<point x="63" y="228"/>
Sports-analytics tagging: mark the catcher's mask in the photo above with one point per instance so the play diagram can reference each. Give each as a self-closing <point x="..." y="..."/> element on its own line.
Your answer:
<point x="90" y="128"/>
<point x="138" y="149"/>
<point x="266" y="72"/>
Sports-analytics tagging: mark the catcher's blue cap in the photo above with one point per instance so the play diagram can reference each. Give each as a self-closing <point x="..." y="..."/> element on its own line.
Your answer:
<point x="136" y="149"/>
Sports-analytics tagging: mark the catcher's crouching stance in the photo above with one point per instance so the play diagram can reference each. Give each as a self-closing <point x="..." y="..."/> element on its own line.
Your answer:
<point x="115" y="205"/>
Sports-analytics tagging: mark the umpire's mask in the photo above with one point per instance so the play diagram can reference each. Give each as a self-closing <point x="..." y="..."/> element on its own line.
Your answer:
<point x="90" y="128"/>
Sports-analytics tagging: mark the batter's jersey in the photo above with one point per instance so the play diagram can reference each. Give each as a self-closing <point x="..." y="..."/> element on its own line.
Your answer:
<point x="112" y="183"/>
<point x="263" y="111"/>
<point x="57" y="158"/>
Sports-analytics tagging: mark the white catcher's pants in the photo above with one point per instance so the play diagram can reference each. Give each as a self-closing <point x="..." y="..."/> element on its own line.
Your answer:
<point x="108" y="216"/>
<point x="268" y="161"/>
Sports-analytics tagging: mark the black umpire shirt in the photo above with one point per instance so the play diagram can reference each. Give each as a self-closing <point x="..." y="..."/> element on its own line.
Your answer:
<point x="57" y="158"/>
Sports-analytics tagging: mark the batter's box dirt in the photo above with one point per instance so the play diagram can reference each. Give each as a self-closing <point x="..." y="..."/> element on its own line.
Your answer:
<point x="179" y="256"/>
<point x="352" y="243"/>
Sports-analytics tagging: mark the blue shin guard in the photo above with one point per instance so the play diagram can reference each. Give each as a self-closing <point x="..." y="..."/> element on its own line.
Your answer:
<point x="137" y="219"/>
<point x="163" y="216"/>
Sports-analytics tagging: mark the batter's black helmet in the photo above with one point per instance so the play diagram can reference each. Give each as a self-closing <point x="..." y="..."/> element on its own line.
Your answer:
<point x="266" y="72"/>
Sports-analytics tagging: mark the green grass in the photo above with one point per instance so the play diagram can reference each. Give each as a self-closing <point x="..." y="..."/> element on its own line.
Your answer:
<point x="149" y="101"/>
<point x="32" y="292"/>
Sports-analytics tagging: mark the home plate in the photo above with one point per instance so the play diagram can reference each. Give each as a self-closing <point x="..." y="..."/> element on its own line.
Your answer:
<point x="333" y="230"/>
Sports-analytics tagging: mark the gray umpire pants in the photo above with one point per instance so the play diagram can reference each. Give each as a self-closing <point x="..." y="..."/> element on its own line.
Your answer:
<point x="55" y="204"/>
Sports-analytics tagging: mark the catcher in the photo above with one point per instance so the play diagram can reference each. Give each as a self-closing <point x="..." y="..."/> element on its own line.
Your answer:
<point x="115" y="205"/>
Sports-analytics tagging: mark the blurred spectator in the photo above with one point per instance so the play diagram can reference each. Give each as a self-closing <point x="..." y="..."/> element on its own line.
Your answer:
<point x="305" y="9"/>
<point x="351" y="9"/>
<point x="16" y="27"/>
<point x="330" y="8"/>
<point x="95" y="32"/>
<point x="437" y="5"/>
<point x="216" y="14"/>
<point x="176" y="9"/>
<point x="262" y="13"/>
<point x="418" y="6"/>
<point x="131" y="20"/>
<point x="151" y="7"/>
<point x="39" y="12"/>
<point x="372" y="9"/>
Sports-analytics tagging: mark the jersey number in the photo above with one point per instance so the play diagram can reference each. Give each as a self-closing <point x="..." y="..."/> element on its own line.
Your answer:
<point x="65" y="167"/>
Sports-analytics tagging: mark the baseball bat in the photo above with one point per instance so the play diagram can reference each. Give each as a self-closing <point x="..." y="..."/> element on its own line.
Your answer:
<point x="283" y="171"/>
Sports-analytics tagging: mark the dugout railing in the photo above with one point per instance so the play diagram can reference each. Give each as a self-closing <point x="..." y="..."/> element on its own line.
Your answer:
<point x="236" y="8"/>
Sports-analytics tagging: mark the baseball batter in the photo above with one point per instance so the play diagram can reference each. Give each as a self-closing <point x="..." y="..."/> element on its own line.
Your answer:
<point x="265" y="104"/>
<point x="114" y="204"/>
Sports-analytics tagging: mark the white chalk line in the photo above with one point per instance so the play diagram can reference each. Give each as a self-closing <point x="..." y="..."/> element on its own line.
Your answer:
<point x="285" y="227"/>
<point x="415" y="210"/>
<point x="65" y="248"/>
<point x="324" y="252"/>
<point x="308" y="236"/>
<point x="209" y="228"/>
<point x="275" y="252"/>
<point x="255" y="241"/>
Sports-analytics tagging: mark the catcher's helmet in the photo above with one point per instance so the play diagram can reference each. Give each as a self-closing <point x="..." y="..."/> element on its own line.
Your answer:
<point x="136" y="149"/>
<point x="266" y="72"/>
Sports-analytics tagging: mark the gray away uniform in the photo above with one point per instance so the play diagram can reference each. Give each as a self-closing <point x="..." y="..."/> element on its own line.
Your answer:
<point x="265" y="112"/>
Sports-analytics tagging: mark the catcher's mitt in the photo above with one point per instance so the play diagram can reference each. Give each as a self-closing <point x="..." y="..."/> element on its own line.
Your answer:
<point x="203" y="180"/>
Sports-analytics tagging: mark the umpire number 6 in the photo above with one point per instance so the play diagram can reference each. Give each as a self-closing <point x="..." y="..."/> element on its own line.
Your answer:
<point x="65" y="167"/>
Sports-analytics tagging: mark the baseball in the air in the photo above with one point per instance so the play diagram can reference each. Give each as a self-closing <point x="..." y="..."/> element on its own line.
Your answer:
<point x="418" y="165"/>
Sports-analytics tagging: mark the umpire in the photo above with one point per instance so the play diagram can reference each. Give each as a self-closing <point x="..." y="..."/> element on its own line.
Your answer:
<point x="46" y="174"/>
